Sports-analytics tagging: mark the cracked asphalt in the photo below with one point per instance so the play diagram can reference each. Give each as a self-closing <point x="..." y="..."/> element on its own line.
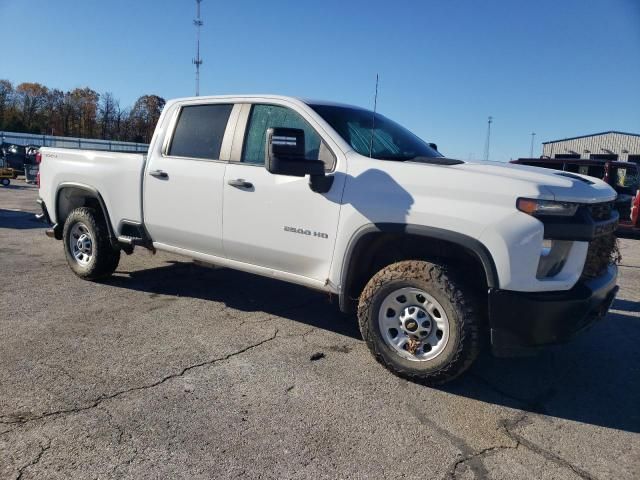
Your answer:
<point x="172" y="370"/>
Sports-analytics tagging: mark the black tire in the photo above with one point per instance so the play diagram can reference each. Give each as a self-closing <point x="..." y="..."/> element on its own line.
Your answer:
<point x="104" y="258"/>
<point x="5" y="182"/>
<point x="463" y="344"/>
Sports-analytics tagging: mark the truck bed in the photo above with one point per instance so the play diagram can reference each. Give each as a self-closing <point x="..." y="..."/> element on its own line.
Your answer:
<point x="116" y="176"/>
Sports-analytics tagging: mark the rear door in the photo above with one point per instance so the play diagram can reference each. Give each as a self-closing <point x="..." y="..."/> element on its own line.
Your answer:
<point x="183" y="183"/>
<point x="276" y="221"/>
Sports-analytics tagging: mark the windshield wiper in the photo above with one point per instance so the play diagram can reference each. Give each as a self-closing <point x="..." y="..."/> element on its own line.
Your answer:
<point x="434" y="160"/>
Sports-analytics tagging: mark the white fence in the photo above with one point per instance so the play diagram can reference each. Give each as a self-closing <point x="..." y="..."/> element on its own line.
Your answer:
<point x="71" y="142"/>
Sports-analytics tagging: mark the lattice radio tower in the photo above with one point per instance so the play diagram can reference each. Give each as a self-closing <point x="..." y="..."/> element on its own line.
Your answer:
<point x="487" y="142"/>
<point x="198" y="61"/>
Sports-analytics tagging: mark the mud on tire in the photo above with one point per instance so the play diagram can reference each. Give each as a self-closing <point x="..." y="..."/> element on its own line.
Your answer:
<point x="463" y="334"/>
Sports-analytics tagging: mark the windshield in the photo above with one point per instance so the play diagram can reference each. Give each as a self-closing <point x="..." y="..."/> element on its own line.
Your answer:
<point x="390" y="141"/>
<point x="627" y="177"/>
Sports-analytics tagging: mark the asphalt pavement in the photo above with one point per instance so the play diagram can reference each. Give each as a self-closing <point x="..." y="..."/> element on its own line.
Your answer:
<point x="174" y="370"/>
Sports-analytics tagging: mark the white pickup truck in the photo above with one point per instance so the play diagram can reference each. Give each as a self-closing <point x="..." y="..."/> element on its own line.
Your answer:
<point x="437" y="256"/>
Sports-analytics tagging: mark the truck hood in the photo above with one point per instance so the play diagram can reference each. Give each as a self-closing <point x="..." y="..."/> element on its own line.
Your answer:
<point x="562" y="186"/>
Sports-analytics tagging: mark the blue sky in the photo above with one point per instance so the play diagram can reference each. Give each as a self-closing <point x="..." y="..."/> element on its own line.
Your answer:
<point x="554" y="67"/>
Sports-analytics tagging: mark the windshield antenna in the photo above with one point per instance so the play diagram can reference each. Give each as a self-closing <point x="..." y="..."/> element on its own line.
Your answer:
<point x="373" y="117"/>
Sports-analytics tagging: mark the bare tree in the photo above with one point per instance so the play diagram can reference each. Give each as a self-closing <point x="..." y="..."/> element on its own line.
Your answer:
<point x="108" y="109"/>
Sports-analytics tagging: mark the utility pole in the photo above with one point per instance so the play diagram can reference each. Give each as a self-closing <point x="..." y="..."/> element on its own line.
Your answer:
<point x="533" y="136"/>
<point x="198" y="61"/>
<point x="488" y="141"/>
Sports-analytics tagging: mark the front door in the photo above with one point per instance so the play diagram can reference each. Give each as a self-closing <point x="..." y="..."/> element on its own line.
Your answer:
<point x="183" y="183"/>
<point x="276" y="221"/>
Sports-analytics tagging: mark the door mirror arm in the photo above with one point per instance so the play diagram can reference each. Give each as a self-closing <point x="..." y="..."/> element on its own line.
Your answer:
<point x="320" y="183"/>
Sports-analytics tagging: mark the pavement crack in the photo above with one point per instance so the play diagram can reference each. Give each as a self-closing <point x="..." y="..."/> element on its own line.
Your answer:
<point x="34" y="461"/>
<point x="509" y="428"/>
<point x="536" y="405"/>
<point x="477" y="467"/>
<point x="98" y="401"/>
<point x="474" y="460"/>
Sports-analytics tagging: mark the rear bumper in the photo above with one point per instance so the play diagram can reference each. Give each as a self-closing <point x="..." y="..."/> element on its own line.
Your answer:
<point x="55" y="231"/>
<point x="522" y="321"/>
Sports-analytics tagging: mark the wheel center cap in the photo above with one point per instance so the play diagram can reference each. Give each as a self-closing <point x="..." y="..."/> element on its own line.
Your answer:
<point x="411" y="325"/>
<point x="411" y="318"/>
<point x="84" y="243"/>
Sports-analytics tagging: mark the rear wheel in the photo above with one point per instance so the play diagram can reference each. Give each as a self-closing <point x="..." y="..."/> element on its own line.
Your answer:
<point x="5" y="182"/>
<point x="419" y="322"/>
<point x="86" y="244"/>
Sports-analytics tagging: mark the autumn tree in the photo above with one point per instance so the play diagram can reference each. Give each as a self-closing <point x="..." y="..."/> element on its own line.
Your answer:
<point x="6" y="101"/>
<point x="30" y="99"/>
<point x="84" y="102"/>
<point x="53" y="113"/>
<point x="81" y="112"/>
<point x="144" y="116"/>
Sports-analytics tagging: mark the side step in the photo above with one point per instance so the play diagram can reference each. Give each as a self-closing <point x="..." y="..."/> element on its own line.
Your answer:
<point x="133" y="241"/>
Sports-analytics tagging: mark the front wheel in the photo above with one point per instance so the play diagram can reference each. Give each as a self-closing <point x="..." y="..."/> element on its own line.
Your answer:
<point x="419" y="322"/>
<point x="5" y="182"/>
<point x="86" y="245"/>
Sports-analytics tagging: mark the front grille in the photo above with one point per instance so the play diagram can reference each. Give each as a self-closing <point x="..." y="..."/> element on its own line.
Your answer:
<point x="602" y="252"/>
<point x="601" y="211"/>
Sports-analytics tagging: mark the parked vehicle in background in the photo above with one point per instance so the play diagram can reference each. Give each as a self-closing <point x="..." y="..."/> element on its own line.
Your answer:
<point x="14" y="156"/>
<point x="6" y="173"/>
<point x="31" y="163"/>
<point x="30" y="154"/>
<point x="624" y="177"/>
<point x="345" y="201"/>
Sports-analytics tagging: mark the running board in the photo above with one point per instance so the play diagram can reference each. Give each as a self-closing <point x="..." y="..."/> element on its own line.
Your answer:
<point x="133" y="241"/>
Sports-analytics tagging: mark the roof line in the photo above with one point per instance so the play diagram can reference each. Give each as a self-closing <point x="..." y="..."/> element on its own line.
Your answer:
<point x="592" y="135"/>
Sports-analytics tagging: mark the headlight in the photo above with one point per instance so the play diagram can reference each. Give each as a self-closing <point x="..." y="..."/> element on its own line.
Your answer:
<point x="553" y="256"/>
<point x="546" y="207"/>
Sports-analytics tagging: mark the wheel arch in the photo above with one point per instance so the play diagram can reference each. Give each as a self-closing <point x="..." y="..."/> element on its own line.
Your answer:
<point x="371" y="240"/>
<point x="71" y="195"/>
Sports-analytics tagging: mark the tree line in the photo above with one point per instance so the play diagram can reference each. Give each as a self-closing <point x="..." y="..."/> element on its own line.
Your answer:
<point x="81" y="112"/>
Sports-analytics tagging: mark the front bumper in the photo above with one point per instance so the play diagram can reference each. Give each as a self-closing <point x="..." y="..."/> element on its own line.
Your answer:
<point x="522" y="321"/>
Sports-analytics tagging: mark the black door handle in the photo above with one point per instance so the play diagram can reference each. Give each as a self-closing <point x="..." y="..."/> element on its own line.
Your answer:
<point x="240" y="183"/>
<point x="159" y="174"/>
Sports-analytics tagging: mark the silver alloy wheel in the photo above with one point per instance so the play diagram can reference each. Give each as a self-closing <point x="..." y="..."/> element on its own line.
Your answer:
<point x="413" y="324"/>
<point x="81" y="243"/>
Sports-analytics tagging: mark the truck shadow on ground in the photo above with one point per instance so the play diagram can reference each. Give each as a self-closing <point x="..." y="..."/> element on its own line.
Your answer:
<point x="593" y="379"/>
<point x="13" y="186"/>
<point x="19" y="220"/>
<point x="243" y="292"/>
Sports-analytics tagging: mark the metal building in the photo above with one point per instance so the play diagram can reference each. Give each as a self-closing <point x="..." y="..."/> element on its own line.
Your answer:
<point x="610" y="145"/>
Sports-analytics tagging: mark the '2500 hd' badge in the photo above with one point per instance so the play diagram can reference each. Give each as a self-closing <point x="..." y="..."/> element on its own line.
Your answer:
<point x="303" y="231"/>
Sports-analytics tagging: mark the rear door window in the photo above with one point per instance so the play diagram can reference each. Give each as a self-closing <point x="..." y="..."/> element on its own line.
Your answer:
<point x="199" y="131"/>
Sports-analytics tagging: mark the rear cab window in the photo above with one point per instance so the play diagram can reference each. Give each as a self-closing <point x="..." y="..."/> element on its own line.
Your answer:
<point x="199" y="131"/>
